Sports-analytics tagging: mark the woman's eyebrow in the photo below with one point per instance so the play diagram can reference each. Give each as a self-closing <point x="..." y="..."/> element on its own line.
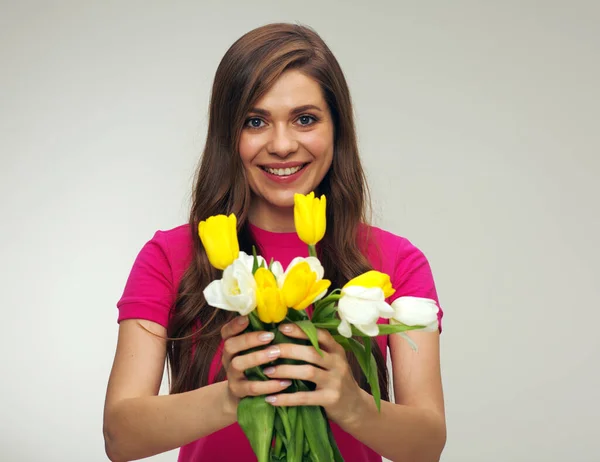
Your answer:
<point x="294" y="111"/>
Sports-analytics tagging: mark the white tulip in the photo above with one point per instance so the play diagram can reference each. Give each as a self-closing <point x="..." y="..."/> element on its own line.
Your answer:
<point x="236" y="291"/>
<point x="362" y="307"/>
<point x="248" y="260"/>
<point x="416" y="311"/>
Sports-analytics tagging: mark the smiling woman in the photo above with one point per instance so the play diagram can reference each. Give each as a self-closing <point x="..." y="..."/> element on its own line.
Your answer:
<point x="281" y="123"/>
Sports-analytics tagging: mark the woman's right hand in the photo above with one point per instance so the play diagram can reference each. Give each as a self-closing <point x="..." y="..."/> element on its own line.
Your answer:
<point x="235" y="362"/>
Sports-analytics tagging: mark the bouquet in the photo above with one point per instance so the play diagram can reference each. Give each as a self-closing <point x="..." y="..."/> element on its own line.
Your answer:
<point x="270" y="295"/>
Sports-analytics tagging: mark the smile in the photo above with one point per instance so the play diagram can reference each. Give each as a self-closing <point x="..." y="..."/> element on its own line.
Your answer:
<point x="283" y="171"/>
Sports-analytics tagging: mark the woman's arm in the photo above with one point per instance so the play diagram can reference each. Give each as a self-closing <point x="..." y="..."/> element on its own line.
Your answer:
<point x="137" y="422"/>
<point x="413" y="429"/>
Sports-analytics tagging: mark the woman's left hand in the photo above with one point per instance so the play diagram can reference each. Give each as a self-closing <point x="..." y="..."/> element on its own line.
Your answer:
<point x="336" y="390"/>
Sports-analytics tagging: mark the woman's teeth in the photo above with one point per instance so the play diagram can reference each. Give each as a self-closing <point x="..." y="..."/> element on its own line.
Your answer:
<point x="283" y="171"/>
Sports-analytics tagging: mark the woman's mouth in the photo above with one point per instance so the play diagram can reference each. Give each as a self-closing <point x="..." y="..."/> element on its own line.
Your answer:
<point x="287" y="174"/>
<point x="283" y="171"/>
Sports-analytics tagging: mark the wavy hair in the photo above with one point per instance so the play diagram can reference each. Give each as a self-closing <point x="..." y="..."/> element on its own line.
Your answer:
<point x="247" y="71"/>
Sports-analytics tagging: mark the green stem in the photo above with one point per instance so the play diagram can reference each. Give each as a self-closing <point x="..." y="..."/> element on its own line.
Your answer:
<point x="256" y="323"/>
<point x="312" y="251"/>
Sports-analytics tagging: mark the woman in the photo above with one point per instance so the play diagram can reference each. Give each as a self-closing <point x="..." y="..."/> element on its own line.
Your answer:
<point x="280" y="123"/>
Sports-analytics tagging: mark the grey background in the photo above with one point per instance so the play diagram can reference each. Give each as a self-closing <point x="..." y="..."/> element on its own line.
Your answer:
<point x="479" y="129"/>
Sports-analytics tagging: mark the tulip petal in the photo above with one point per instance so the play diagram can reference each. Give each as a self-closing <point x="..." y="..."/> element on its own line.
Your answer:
<point x="320" y="214"/>
<point x="365" y="293"/>
<point x="357" y="311"/>
<point x="315" y="266"/>
<point x="278" y="272"/>
<point x="416" y="311"/>
<point x="371" y="330"/>
<point x="344" y="329"/>
<point x="213" y="294"/>
<point x="385" y="310"/>
<point x="373" y="279"/>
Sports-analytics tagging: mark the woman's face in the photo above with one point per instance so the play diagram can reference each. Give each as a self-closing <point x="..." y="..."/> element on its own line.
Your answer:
<point x="286" y="145"/>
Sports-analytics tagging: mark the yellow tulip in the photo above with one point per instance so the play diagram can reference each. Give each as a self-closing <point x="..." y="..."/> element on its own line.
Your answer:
<point x="309" y="217"/>
<point x="270" y="306"/>
<point x="372" y="279"/>
<point x="301" y="288"/>
<point x="219" y="238"/>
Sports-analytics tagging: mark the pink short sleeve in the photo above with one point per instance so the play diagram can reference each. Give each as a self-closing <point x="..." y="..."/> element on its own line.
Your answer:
<point x="149" y="292"/>
<point x="413" y="275"/>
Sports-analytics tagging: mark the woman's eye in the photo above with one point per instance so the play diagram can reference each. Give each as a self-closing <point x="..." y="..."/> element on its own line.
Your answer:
<point x="306" y="120"/>
<point x="254" y="122"/>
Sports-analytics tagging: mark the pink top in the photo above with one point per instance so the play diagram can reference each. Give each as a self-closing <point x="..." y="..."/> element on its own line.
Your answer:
<point x="151" y="290"/>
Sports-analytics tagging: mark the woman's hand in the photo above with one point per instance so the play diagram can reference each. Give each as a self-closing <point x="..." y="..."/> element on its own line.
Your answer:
<point x="336" y="390"/>
<point x="235" y="362"/>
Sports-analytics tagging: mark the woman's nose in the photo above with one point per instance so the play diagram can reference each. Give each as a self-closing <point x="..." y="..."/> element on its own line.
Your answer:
<point x="283" y="142"/>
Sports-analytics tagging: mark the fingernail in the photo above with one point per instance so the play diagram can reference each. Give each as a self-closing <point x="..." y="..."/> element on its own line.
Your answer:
<point x="285" y="328"/>
<point x="271" y="399"/>
<point x="273" y="352"/>
<point x="242" y="320"/>
<point x="269" y="370"/>
<point x="285" y="383"/>
<point x="266" y="337"/>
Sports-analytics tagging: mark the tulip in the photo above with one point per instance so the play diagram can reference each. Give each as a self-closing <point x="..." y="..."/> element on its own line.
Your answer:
<point x="416" y="311"/>
<point x="362" y="303"/>
<point x="302" y="284"/>
<point x="373" y="279"/>
<point x="309" y="217"/>
<point x="219" y="238"/>
<point x="362" y="307"/>
<point x="236" y="291"/>
<point x="269" y="302"/>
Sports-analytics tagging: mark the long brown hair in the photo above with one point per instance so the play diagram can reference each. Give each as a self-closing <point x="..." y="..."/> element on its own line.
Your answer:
<point x="247" y="71"/>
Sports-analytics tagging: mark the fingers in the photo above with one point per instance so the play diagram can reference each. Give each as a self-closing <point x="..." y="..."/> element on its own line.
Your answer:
<point x="305" y="398"/>
<point x="244" y="388"/>
<point x="234" y="327"/>
<point x="300" y="372"/>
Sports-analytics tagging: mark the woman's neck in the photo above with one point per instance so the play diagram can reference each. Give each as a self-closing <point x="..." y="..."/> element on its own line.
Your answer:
<point x="274" y="219"/>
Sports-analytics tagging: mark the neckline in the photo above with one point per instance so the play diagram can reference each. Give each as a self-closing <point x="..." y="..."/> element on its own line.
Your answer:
<point x="281" y="239"/>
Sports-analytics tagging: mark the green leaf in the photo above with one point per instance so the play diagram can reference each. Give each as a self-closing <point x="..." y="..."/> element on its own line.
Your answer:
<point x="310" y="330"/>
<point x="369" y="367"/>
<point x="386" y="329"/>
<point x="295" y="315"/>
<point x="282" y="416"/>
<point x="359" y="351"/>
<point x="315" y="429"/>
<point x="324" y="312"/>
<point x="256" y="417"/>
<point x="255" y="263"/>
<point x="330" y="325"/>
<point x="256" y="323"/>
<point x="298" y="440"/>
<point x="280" y="438"/>
<point x="373" y="380"/>
<point x="337" y="455"/>
<point x="342" y="341"/>
<point x="368" y="355"/>
<point x="333" y="296"/>
<point x="255" y="373"/>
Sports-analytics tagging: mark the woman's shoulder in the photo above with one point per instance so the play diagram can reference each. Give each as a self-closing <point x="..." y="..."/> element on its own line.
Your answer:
<point x="174" y="246"/>
<point x="384" y="244"/>
<point x="179" y="235"/>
